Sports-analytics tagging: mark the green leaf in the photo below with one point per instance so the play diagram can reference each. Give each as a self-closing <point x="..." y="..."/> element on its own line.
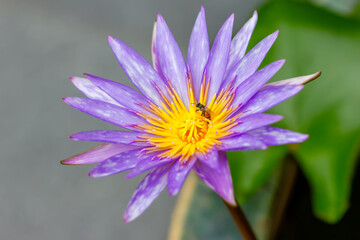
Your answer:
<point x="339" y="6"/>
<point x="251" y="169"/>
<point x="329" y="165"/>
<point x="312" y="39"/>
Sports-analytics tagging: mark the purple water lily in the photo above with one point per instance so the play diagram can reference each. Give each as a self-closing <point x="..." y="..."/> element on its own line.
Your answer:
<point x="187" y="114"/>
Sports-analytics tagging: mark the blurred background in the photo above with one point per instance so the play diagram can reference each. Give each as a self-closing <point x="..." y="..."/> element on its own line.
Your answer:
<point x="43" y="43"/>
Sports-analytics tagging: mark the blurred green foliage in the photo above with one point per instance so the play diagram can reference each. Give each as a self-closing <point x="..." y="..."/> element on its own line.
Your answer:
<point x="338" y="6"/>
<point x="311" y="39"/>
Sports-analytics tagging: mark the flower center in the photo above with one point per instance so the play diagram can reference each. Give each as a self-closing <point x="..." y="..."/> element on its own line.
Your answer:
<point x="192" y="130"/>
<point x="179" y="132"/>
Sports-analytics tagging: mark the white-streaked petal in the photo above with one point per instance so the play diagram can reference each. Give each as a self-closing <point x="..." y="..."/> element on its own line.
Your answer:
<point x="269" y="96"/>
<point x="119" y="163"/>
<point x="148" y="190"/>
<point x="124" y="96"/>
<point x="154" y="53"/>
<point x="277" y="136"/>
<point x="254" y="121"/>
<point x="171" y="60"/>
<point x="302" y="80"/>
<point x="139" y="71"/>
<point x="241" y="142"/>
<point x="198" y="51"/>
<point x="106" y="111"/>
<point x="250" y="62"/>
<point x="147" y="164"/>
<point x="210" y="158"/>
<point x="218" y="179"/>
<point x="251" y="85"/>
<point x="241" y="41"/>
<point x="98" y="154"/>
<point x="92" y="91"/>
<point x="112" y="136"/>
<point x="177" y="175"/>
<point x="219" y="57"/>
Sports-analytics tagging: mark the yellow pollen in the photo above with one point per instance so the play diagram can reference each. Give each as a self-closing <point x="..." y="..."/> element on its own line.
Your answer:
<point x="180" y="132"/>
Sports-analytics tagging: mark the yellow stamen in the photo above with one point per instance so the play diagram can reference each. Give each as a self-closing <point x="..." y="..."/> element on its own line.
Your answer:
<point x="180" y="132"/>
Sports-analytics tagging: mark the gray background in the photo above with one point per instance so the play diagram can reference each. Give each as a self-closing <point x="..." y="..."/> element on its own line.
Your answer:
<point x="42" y="43"/>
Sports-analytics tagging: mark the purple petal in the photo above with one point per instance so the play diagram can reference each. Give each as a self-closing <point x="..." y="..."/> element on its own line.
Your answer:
<point x="219" y="180"/>
<point x="92" y="91"/>
<point x="139" y="71"/>
<point x="241" y="41"/>
<point x="209" y="158"/>
<point x="268" y="97"/>
<point x="106" y="111"/>
<point x="242" y="142"/>
<point x="154" y="53"/>
<point x="147" y="164"/>
<point x="255" y="121"/>
<point x="124" y="137"/>
<point x="171" y="60"/>
<point x="296" y="80"/>
<point x="116" y="164"/>
<point x="250" y="62"/>
<point x="98" y="154"/>
<point x="124" y="95"/>
<point x="277" y="136"/>
<point x="219" y="56"/>
<point x="251" y="85"/>
<point x="178" y="174"/>
<point x="198" y="51"/>
<point x="148" y="190"/>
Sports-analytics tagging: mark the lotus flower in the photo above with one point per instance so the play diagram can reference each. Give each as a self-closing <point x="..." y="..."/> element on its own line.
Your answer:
<point x="188" y="114"/>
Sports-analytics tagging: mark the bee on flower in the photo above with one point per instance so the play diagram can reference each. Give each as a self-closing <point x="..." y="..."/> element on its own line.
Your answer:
<point x="187" y="115"/>
<point x="204" y="111"/>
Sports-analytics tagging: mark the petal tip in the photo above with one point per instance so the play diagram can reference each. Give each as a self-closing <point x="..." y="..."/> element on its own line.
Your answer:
<point x="69" y="100"/>
<point x="231" y="18"/>
<point x="172" y="192"/>
<point x="312" y="78"/>
<point x="92" y="174"/>
<point x="262" y="147"/>
<point x="69" y="161"/>
<point x="316" y="75"/>
<point x="73" y="137"/>
<point x="159" y="17"/>
<point x="129" y="175"/>
<point x="112" y="41"/>
<point x="232" y="202"/>
<point x="127" y="218"/>
<point x="305" y="137"/>
<point x="64" y="162"/>
<point x="281" y="62"/>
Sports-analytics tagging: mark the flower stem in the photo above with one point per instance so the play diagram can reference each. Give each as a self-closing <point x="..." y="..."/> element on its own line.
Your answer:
<point x="241" y="221"/>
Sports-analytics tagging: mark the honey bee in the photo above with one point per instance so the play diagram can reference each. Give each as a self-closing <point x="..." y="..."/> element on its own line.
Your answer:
<point x="204" y="111"/>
